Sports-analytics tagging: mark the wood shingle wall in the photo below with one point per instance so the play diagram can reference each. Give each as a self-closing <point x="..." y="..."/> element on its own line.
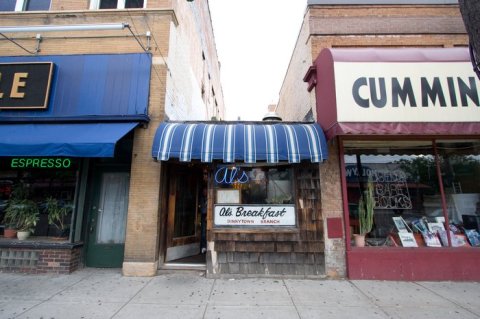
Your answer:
<point x="293" y="251"/>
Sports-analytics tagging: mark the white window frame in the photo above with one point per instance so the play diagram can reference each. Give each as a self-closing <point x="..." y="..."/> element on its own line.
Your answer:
<point x="95" y="4"/>
<point x="21" y="5"/>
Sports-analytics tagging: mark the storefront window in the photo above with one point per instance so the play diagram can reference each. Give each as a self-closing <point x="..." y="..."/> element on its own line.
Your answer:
<point x="48" y="184"/>
<point x="407" y="201"/>
<point x="254" y="196"/>
<point x="257" y="185"/>
<point x="460" y="164"/>
<point x="405" y="188"/>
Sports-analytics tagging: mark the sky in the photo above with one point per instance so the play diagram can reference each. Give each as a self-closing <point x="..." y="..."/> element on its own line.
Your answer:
<point x="255" y="41"/>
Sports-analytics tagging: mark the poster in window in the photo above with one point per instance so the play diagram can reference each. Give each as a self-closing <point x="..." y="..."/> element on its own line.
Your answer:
<point x="228" y="196"/>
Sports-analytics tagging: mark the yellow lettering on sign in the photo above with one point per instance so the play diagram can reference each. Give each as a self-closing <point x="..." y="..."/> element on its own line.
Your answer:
<point x="18" y="83"/>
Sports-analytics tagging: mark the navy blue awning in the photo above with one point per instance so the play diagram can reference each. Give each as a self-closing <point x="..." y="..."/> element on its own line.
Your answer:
<point x="233" y="142"/>
<point x="74" y="140"/>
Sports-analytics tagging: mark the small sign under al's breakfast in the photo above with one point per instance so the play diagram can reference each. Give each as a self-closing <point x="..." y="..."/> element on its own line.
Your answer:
<point x="254" y="215"/>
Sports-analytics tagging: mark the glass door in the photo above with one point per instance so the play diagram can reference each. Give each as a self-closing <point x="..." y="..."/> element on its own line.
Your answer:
<point x="107" y="220"/>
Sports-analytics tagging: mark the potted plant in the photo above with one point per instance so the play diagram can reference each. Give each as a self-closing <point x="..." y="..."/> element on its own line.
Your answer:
<point x="57" y="211"/>
<point x="21" y="213"/>
<point x="10" y="230"/>
<point x="366" y="206"/>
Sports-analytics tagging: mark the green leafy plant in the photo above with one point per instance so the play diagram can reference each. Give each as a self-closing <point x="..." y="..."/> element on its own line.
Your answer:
<point x="57" y="213"/>
<point x="366" y="206"/>
<point x="21" y="213"/>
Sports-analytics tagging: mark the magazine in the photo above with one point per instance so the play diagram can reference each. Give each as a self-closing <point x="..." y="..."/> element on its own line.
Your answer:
<point x="407" y="239"/>
<point x="457" y="240"/>
<point x="419" y="225"/>
<point x="401" y="225"/>
<point x="473" y="237"/>
<point x="435" y="227"/>
<point x="431" y="239"/>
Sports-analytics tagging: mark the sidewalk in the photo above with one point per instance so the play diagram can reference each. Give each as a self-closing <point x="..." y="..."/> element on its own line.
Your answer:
<point x="94" y="293"/>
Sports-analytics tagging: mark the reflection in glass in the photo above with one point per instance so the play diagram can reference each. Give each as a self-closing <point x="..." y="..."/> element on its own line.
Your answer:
<point x="405" y="184"/>
<point x="108" y="4"/>
<point x="133" y="4"/>
<point x="460" y="164"/>
<point x="37" y="5"/>
<point x="258" y="185"/>
<point x="7" y="5"/>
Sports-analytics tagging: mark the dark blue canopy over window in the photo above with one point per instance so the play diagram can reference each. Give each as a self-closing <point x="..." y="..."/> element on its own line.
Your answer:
<point x="74" y="140"/>
<point x="248" y="142"/>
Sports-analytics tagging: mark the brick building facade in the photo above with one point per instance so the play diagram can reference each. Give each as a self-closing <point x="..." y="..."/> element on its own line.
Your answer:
<point x="183" y="83"/>
<point x="356" y="25"/>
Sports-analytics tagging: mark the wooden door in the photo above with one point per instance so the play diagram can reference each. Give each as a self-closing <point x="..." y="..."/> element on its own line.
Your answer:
<point x="183" y="221"/>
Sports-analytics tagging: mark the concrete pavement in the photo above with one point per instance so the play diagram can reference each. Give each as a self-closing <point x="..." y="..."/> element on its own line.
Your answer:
<point x="100" y="293"/>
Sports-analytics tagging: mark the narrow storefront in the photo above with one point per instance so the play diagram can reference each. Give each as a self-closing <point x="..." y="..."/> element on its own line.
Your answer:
<point x="241" y="198"/>
<point x="406" y="125"/>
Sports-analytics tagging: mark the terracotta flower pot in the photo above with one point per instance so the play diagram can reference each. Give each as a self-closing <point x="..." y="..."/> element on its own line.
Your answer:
<point x="10" y="233"/>
<point x="359" y="240"/>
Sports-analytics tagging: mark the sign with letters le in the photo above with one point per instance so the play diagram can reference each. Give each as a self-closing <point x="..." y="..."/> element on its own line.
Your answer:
<point x="25" y="85"/>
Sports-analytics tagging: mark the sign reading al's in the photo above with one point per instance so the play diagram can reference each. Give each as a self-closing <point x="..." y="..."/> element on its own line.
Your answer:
<point x="25" y="85"/>
<point x="406" y="92"/>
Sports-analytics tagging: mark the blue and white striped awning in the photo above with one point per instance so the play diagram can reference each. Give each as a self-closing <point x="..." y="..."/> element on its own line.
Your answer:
<point x="235" y="142"/>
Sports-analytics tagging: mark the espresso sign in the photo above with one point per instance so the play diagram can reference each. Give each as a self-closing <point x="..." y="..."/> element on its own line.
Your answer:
<point x="254" y="215"/>
<point x="25" y="85"/>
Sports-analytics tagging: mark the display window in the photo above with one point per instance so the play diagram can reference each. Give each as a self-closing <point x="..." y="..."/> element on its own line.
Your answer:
<point x="38" y="195"/>
<point x="396" y="198"/>
<point x="254" y="195"/>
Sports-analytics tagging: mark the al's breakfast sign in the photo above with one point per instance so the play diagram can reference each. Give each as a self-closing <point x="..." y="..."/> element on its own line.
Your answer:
<point x="406" y="92"/>
<point x="254" y="215"/>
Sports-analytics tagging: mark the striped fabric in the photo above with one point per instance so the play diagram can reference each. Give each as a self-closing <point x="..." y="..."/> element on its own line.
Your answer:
<point x="236" y="142"/>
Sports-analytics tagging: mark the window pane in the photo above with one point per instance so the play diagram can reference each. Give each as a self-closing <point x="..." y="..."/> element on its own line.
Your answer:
<point x="460" y="163"/>
<point x="108" y="4"/>
<point x="114" y="206"/>
<point x="133" y="4"/>
<point x="7" y="5"/>
<point x="37" y="5"/>
<point x="37" y="179"/>
<point x="406" y="191"/>
<point x="258" y="185"/>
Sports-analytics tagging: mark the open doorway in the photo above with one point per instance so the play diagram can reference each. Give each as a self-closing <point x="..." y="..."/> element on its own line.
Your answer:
<point x="185" y="243"/>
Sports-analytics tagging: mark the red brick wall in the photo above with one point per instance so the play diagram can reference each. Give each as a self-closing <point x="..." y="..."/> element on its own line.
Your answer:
<point x="39" y="261"/>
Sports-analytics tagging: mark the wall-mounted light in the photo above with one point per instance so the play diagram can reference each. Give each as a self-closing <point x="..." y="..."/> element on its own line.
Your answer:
<point x="54" y="28"/>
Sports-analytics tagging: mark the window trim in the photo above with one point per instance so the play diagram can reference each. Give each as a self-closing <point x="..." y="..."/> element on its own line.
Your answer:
<point x="95" y="4"/>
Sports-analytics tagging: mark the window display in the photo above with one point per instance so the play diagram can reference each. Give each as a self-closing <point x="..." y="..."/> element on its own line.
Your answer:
<point x="254" y="196"/>
<point x="408" y="209"/>
<point x="37" y="195"/>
